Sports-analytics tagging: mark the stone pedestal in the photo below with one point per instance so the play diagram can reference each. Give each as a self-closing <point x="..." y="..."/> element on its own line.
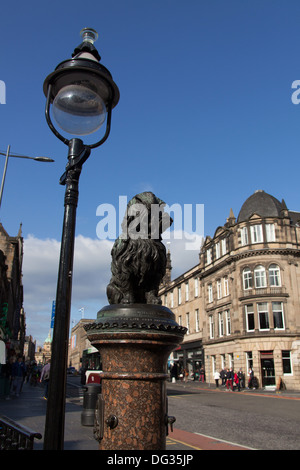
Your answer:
<point x="135" y="342"/>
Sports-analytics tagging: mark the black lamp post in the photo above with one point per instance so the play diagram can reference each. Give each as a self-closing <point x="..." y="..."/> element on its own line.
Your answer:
<point x="83" y="94"/>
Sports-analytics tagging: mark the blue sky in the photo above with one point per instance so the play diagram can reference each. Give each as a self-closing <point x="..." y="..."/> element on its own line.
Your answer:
<point x="205" y="117"/>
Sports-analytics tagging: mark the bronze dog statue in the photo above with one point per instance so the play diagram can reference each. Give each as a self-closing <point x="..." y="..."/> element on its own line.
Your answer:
<point x="138" y="255"/>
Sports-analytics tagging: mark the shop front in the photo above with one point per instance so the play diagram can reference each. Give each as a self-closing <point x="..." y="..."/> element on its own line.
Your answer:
<point x="190" y="357"/>
<point x="267" y="368"/>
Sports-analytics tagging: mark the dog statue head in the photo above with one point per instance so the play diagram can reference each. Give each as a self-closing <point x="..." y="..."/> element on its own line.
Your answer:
<point x="145" y="217"/>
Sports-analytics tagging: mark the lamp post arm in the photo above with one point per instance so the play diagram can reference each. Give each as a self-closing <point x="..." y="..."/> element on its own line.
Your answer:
<point x="4" y="174"/>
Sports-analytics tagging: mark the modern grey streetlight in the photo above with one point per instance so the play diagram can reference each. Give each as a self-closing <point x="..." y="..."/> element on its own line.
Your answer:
<point x="8" y="154"/>
<point x="82" y="94"/>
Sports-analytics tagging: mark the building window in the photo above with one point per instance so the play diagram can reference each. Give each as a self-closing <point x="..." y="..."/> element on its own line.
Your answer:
<point x="219" y="289"/>
<point x="274" y="275"/>
<point x="172" y="299"/>
<point x="211" y="327"/>
<point x="213" y="364"/>
<point x="249" y="317"/>
<point x="218" y="252"/>
<point x="247" y="279"/>
<point x="221" y="324"/>
<point x="208" y="254"/>
<point x="263" y="316"/>
<point x="223" y="361"/>
<point x="260" y="277"/>
<point x="186" y="291"/>
<point x="187" y="323"/>
<point x="244" y="236"/>
<point x="179" y="295"/>
<point x="196" y="287"/>
<point x="249" y="360"/>
<point x="224" y="246"/>
<point x="166" y="300"/>
<point x="228" y="322"/>
<point x="230" y="360"/>
<point x="256" y="234"/>
<point x="197" y="320"/>
<point x="278" y="318"/>
<point x="270" y="232"/>
<point x="286" y="362"/>
<point x="210" y="293"/>
<point x="226" y="286"/>
<point x="180" y="320"/>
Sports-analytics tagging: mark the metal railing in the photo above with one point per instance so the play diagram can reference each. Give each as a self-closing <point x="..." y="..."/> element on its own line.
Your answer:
<point x="14" y="436"/>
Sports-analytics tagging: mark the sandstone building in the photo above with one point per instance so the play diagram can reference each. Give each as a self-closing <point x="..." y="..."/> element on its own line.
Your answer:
<point x="12" y="315"/>
<point x="241" y="303"/>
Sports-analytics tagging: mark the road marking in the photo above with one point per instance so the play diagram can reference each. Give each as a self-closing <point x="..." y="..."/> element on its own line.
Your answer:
<point x="185" y="444"/>
<point x="225" y="442"/>
<point x="182" y="396"/>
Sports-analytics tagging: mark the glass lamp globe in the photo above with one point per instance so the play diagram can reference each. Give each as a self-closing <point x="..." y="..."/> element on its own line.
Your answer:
<point x="78" y="110"/>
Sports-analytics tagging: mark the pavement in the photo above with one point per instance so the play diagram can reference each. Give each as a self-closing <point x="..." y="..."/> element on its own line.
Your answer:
<point x="29" y="409"/>
<point x="270" y="392"/>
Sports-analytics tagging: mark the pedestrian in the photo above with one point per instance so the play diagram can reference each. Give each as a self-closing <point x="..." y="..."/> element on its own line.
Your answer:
<point x="34" y="374"/>
<point x="18" y="372"/>
<point x="229" y="379"/>
<point x="217" y="377"/>
<point x="174" y="372"/>
<point x="241" y="377"/>
<point x="251" y="376"/>
<point x="236" y="381"/>
<point x="185" y="375"/>
<point x="6" y="377"/>
<point x="45" y="377"/>
<point x="82" y="374"/>
<point x="202" y="374"/>
<point x="223" y="376"/>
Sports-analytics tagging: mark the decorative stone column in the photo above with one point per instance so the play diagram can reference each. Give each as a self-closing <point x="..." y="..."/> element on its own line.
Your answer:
<point x="135" y="342"/>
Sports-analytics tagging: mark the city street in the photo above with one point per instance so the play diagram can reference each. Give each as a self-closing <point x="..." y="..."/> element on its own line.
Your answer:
<point x="254" y="419"/>
<point x="250" y="418"/>
<point x="206" y="418"/>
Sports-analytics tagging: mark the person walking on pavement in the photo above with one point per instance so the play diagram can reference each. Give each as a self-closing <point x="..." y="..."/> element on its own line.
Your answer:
<point x="202" y="374"/>
<point x="229" y="379"/>
<point x="236" y="381"/>
<point x="241" y="377"/>
<point x="251" y="376"/>
<point x="174" y="372"/>
<point x="18" y="372"/>
<point x="217" y="377"/>
<point x="223" y="376"/>
<point x="45" y="376"/>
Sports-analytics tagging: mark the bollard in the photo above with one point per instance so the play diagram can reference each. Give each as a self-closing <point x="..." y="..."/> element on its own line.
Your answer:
<point x="91" y="392"/>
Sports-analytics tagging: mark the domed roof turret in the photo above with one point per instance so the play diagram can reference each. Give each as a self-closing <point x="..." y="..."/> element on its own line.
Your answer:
<point x="262" y="204"/>
<point x="48" y="339"/>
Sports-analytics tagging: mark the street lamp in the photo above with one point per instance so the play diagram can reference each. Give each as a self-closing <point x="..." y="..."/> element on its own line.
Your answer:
<point x="8" y="154"/>
<point x="82" y="94"/>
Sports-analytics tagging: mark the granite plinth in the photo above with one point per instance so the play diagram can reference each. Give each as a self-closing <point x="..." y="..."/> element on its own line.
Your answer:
<point x="135" y="342"/>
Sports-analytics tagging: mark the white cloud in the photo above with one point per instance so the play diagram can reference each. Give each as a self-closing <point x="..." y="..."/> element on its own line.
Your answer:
<point x="91" y="274"/>
<point x="184" y="249"/>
